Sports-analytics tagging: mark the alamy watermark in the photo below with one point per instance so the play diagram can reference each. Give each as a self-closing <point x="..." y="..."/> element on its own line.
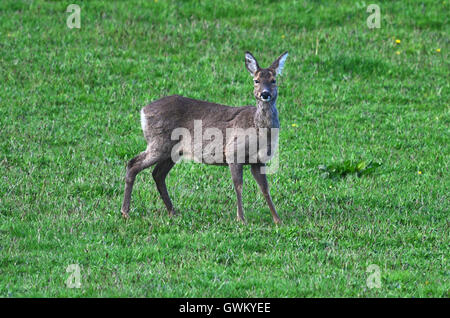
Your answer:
<point x="242" y="146"/>
<point x="74" y="19"/>
<point x="74" y="279"/>
<point x="374" y="20"/>
<point x="374" y="279"/>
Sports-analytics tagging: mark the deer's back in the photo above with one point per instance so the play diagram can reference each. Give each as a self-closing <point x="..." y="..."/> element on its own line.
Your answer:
<point x="168" y="113"/>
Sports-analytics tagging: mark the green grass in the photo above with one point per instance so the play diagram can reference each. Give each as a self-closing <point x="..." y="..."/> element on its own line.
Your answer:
<point x="69" y="122"/>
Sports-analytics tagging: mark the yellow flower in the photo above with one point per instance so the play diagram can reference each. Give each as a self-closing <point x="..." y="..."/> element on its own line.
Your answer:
<point x="398" y="41"/>
<point x="438" y="50"/>
<point x="419" y="172"/>
<point x="283" y="36"/>
<point x="398" y="52"/>
<point x="294" y="125"/>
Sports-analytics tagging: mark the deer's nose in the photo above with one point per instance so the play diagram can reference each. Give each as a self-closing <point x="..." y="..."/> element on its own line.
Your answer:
<point x="265" y="95"/>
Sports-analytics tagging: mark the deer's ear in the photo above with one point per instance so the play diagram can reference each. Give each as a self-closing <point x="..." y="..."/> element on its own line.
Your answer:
<point x="251" y="63"/>
<point x="278" y="65"/>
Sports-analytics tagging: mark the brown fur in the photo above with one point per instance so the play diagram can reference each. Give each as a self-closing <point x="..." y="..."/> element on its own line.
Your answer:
<point x="161" y="117"/>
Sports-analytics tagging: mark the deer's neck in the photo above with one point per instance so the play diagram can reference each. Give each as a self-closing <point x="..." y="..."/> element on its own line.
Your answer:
<point x="266" y="115"/>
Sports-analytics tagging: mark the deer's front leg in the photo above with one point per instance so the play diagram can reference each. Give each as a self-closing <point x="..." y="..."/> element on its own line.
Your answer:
<point x="236" y="175"/>
<point x="261" y="179"/>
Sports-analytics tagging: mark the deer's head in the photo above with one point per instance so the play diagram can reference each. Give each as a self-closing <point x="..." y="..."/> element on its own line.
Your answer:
<point x="265" y="78"/>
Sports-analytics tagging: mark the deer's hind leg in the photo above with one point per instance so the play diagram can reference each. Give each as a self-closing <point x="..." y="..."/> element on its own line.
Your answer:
<point x="137" y="164"/>
<point x="159" y="175"/>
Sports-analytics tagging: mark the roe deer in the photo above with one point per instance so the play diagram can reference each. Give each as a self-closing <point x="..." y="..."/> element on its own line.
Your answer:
<point x="162" y="118"/>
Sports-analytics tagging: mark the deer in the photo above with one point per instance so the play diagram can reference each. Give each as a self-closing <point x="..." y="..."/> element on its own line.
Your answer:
<point x="162" y="117"/>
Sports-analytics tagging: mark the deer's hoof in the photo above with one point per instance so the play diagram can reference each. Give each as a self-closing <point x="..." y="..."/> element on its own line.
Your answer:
<point x="241" y="220"/>
<point x="277" y="221"/>
<point x="173" y="213"/>
<point x="125" y="215"/>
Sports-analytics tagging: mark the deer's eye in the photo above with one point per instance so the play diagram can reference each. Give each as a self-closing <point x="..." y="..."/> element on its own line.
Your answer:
<point x="256" y="81"/>
<point x="274" y="81"/>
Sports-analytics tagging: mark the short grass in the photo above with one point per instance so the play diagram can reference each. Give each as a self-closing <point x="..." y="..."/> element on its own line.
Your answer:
<point x="69" y="121"/>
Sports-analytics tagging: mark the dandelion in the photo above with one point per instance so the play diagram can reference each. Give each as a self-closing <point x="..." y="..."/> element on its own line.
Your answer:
<point x="283" y="36"/>
<point x="419" y="172"/>
<point x="294" y="125"/>
<point x="398" y="52"/>
<point x="398" y="41"/>
<point x="438" y="50"/>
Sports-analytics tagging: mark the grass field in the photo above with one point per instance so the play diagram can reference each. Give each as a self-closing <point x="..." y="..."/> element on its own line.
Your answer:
<point x="69" y="122"/>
